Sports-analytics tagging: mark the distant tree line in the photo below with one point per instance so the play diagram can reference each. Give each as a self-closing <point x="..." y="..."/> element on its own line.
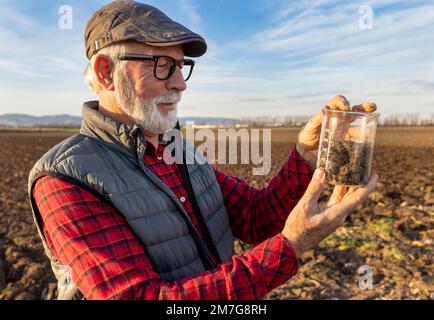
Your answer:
<point x="407" y="120"/>
<point x="278" y="121"/>
<point x="298" y="120"/>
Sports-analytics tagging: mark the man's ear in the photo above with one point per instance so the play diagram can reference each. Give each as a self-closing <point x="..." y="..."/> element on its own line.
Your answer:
<point x="103" y="70"/>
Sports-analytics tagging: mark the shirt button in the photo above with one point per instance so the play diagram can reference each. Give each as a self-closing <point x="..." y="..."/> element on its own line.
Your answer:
<point x="182" y="199"/>
<point x="159" y="158"/>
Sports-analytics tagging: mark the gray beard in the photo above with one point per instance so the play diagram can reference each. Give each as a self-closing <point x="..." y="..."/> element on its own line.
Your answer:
<point x="144" y="112"/>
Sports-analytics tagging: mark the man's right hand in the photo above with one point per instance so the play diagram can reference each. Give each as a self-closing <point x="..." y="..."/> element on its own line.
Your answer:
<point x="309" y="223"/>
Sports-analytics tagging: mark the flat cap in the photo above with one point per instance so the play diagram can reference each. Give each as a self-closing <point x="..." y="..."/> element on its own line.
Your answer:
<point x="126" y="20"/>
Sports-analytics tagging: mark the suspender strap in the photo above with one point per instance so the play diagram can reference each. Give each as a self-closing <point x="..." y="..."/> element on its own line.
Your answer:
<point x="189" y="189"/>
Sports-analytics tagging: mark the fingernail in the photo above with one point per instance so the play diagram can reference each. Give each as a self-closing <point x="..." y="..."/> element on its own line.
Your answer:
<point x="317" y="175"/>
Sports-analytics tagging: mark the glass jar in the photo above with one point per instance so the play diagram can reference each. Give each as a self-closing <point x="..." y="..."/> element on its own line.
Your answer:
<point x="346" y="146"/>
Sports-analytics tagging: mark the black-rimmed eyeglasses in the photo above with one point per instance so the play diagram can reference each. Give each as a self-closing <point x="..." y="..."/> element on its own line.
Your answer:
<point x="164" y="66"/>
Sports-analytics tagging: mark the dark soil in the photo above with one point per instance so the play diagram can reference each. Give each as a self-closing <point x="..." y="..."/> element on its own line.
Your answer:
<point x="348" y="163"/>
<point x="392" y="231"/>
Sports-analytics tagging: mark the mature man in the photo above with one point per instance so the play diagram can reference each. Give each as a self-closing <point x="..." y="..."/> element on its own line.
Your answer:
<point x="118" y="222"/>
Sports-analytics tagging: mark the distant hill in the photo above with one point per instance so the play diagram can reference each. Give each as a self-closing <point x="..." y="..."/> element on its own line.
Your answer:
<point x="209" y="120"/>
<point x="64" y="120"/>
<point x="23" y="120"/>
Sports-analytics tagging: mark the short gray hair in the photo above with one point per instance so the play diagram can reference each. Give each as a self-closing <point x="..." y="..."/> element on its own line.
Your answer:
<point x="112" y="51"/>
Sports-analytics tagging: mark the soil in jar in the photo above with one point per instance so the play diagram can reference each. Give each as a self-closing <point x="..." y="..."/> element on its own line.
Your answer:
<point x="348" y="163"/>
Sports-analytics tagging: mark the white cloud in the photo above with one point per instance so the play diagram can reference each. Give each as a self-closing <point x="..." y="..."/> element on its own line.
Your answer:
<point x="18" y="68"/>
<point x="190" y="9"/>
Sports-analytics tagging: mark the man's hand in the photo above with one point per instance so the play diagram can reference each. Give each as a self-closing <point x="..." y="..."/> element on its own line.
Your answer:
<point x="308" y="138"/>
<point x="309" y="222"/>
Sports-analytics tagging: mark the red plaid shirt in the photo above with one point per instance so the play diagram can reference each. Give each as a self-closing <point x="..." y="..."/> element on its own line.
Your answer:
<point x="109" y="262"/>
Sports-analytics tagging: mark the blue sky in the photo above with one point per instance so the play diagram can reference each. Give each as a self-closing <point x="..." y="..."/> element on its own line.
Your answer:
<point x="265" y="57"/>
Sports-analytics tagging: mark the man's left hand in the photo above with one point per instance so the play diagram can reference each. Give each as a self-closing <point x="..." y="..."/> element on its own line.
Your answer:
<point x="308" y="138"/>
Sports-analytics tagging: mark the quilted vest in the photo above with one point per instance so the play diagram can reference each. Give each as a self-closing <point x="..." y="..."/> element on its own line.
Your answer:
<point x="106" y="158"/>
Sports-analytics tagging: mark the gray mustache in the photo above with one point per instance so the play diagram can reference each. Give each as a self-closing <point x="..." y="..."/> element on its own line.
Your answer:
<point x="174" y="97"/>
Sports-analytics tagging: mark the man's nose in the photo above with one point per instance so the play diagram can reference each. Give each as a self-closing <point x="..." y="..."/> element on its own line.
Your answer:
<point x="176" y="81"/>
